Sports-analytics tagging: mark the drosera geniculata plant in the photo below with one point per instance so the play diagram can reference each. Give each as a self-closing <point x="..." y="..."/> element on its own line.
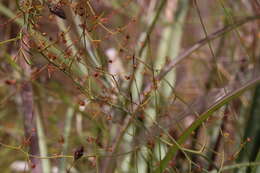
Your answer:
<point x="99" y="70"/>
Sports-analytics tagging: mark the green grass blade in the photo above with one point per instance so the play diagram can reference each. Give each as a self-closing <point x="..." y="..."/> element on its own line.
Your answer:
<point x="250" y="150"/>
<point x="67" y="129"/>
<point x="42" y="145"/>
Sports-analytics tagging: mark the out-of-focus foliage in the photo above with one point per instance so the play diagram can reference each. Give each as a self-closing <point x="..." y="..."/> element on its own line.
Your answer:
<point x="129" y="86"/>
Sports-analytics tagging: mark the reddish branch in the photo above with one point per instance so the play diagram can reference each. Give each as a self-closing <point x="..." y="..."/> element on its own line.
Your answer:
<point x="31" y="138"/>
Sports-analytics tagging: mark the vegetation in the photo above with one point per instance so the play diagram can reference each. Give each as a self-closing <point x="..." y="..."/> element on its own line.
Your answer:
<point x="130" y="86"/>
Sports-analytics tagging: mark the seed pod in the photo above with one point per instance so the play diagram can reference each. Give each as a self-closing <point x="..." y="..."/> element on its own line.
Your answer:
<point x="57" y="10"/>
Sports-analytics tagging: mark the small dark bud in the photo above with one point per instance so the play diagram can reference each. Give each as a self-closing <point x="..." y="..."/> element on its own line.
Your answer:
<point x="57" y="10"/>
<point x="78" y="153"/>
